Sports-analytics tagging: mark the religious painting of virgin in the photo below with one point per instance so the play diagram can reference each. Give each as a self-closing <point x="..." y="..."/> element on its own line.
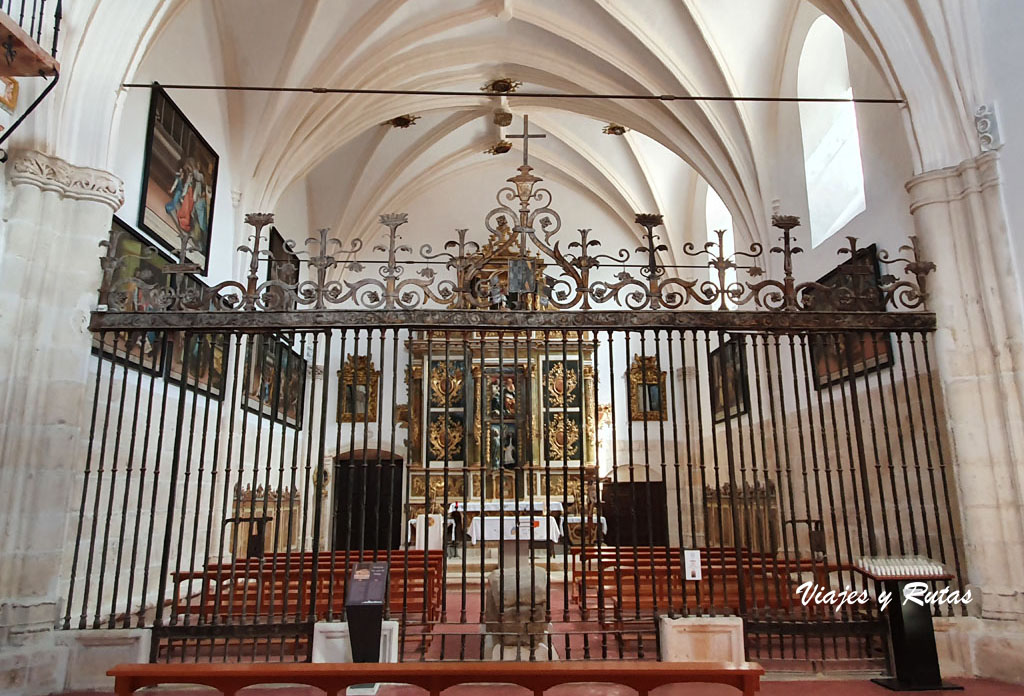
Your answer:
<point x="275" y="380"/>
<point x="138" y="283"/>
<point x="283" y="268"/>
<point x="730" y="391"/>
<point x="179" y="180"/>
<point x="853" y="286"/>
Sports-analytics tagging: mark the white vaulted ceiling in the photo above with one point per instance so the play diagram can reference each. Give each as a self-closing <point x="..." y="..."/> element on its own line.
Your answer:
<point x="352" y="168"/>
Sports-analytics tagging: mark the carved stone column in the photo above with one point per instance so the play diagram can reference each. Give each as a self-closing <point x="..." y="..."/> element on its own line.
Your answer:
<point x="49" y="274"/>
<point x="959" y="218"/>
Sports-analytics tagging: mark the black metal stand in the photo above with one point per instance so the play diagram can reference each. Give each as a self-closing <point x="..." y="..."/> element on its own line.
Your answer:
<point x="913" y="645"/>
<point x="364" y="610"/>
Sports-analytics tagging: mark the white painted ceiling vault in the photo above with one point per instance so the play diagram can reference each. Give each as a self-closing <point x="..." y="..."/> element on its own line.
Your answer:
<point x="350" y="167"/>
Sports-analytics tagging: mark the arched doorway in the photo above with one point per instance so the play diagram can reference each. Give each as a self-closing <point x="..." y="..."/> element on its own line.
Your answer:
<point x="367" y="500"/>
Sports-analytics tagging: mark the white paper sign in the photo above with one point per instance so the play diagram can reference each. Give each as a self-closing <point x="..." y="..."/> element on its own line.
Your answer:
<point x="691" y="564"/>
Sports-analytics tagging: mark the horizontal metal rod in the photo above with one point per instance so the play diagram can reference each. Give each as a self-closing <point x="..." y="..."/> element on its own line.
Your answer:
<point x="470" y="320"/>
<point x="513" y="95"/>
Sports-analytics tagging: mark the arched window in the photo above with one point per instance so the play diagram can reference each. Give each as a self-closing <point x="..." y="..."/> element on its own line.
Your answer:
<point x="718" y="217"/>
<point x="832" y="164"/>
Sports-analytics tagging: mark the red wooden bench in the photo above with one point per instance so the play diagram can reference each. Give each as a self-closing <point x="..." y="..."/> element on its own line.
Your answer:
<point x="435" y="677"/>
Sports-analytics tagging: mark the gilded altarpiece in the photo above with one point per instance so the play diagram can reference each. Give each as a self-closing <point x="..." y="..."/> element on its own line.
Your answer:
<point x="500" y="418"/>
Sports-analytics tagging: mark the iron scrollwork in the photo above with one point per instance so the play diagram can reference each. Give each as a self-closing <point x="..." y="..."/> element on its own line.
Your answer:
<point x="524" y="264"/>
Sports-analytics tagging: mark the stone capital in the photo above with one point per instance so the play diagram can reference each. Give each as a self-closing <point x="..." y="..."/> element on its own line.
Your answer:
<point x="951" y="184"/>
<point x="49" y="173"/>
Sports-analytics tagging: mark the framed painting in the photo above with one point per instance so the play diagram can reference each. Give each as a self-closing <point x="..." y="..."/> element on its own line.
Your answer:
<point x="358" y="384"/>
<point x="647" y="400"/>
<point x="179" y="181"/>
<point x="207" y="362"/>
<point x="139" y="277"/>
<point x="283" y="267"/>
<point x="208" y="356"/>
<point x="730" y="390"/>
<point x="275" y="380"/>
<point x="854" y="286"/>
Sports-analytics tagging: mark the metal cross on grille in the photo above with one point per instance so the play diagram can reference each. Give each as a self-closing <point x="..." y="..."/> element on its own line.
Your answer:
<point x="526" y="136"/>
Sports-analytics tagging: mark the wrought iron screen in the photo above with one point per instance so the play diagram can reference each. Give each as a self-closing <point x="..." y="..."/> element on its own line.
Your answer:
<point x="529" y="434"/>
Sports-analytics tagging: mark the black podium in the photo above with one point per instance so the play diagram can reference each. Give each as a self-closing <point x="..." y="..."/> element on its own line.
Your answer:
<point x="365" y="595"/>
<point x="912" y="635"/>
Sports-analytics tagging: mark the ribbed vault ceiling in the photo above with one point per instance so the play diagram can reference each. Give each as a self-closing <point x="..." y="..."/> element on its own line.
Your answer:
<point x="355" y="167"/>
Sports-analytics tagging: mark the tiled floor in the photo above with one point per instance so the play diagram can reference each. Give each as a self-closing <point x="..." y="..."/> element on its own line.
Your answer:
<point x="804" y="687"/>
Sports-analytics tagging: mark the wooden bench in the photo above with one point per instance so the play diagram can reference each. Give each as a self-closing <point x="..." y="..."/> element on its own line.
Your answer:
<point x="284" y="586"/>
<point x="435" y="677"/>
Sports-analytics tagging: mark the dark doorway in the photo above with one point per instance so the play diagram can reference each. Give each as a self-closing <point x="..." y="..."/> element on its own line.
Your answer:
<point x="367" y="500"/>
<point x="620" y="503"/>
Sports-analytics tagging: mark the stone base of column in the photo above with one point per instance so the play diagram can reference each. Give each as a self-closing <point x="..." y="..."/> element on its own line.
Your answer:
<point x="702" y="639"/>
<point x="91" y="653"/>
<point x="973" y="647"/>
<point x="33" y="670"/>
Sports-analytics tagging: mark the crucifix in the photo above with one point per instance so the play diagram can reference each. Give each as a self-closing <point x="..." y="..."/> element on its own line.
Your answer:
<point x="525" y="135"/>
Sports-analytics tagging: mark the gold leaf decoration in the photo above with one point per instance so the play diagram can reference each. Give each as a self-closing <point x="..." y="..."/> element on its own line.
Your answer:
<point x="445" y="443"/>
<point x="561" y="385"/>
<point x="445" y="385"/>
<point x="563" y="437"/>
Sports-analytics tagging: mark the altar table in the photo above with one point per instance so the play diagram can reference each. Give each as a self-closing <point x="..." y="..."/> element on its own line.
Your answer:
<point x="508" y="528"/>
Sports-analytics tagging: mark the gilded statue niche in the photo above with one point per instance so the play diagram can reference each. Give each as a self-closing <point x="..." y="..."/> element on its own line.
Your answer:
<point x="358" y="382"/>
<point x="444" y="438"/>
<point x="646" y="390"/>
<point x="561" y="385"/>
<point x="563" y="437"/>
<point x="446" y="385"/>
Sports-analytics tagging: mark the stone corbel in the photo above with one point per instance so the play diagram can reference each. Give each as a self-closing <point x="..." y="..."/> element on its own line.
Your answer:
<point x="53" y="174"/>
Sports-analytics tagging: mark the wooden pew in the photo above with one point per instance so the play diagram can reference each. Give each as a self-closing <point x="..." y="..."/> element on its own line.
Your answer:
<point x="283" y="586"/>
<point x="435" y="677"/>
<point x="637" y="589"/>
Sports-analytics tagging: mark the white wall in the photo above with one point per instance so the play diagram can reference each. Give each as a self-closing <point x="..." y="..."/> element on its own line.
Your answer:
<point x="1002" y="24"/>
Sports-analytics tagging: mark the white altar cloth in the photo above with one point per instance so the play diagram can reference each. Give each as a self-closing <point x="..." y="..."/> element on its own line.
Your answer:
<point x="508" y="528"/>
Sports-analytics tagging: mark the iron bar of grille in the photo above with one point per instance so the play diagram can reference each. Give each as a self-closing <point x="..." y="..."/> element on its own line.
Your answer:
<point x="388" y="493"/>
<point x="127" y="489"/>
<point x="233" y="538"/>
<point x="99" y="481"/>
<point x="140" y="497"/>
<point x="629" y="582"/>
<point x="826" y="343"/>
<point x="86" y="474"/>
<point x="909" y="509"/>
<point x="803" y="460"/>
<point x="841" y="342"/>
<point x="112" y="485"/>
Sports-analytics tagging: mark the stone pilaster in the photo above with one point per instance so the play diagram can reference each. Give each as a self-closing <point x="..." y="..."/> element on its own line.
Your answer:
<point x="56" y="214"/>
<point x="959" y="217"/>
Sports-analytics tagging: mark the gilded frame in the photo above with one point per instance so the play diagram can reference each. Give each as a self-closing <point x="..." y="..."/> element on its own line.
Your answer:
<point x="357" y="371"/>
<point x="644" y="374"/>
